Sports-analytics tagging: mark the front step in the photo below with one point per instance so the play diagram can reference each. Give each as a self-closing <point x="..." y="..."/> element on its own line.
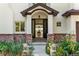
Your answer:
<point x="39" y="49"/>
<point x="39" y="39"/>
<point x="39" y="43"/>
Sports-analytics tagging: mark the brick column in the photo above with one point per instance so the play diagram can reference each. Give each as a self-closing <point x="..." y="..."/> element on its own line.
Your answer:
<point x="28" y="38"/>
<point x="50" y="36"/>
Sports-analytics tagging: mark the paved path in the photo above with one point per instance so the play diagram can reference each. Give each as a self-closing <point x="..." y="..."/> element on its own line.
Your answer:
<point x="39" y="49"/>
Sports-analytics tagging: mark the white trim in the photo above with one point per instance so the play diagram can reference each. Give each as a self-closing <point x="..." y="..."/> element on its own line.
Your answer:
<point x="50" y="24"/>
<point x="28" y="24"/>
<point x="19" y="33"/>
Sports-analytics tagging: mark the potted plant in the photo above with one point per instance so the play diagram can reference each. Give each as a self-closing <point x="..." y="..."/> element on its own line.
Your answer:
<point x="39" y="33"/>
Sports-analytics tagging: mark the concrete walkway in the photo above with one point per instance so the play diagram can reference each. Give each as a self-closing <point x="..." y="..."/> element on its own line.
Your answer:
<point x="39" y="49"/>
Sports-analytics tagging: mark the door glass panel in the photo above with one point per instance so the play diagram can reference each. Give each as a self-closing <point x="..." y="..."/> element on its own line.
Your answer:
<point x="39" y="28"/>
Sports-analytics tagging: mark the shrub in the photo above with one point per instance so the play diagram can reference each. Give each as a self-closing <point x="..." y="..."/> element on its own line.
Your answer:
<point x="4" y="49"/>
<point x="31" y="49"/>
<point x="48" y="46"/>
<point x="16" y="48"/>
<point x="11" y="47"/>
<point x="67" y="47"/>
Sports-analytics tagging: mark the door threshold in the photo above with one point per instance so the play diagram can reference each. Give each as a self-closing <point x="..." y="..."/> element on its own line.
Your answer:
<point x="39" y="40"/>
<point x="39" y="43"/>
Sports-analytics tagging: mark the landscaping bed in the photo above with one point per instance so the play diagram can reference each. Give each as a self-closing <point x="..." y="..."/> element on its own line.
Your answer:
<point x="65" y="47"/>
<point x="13" y="48"/>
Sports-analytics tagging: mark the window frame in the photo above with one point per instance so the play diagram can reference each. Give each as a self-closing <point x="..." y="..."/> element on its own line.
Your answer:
<point x="20" y="22"/>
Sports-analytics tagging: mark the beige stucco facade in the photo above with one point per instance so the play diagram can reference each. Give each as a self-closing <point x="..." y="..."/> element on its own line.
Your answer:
<point x="10" y="13"/>
<point x="13" y="10"/>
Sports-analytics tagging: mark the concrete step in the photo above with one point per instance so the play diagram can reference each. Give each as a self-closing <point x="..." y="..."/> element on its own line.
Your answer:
<point x="39" y="49"/>
<point x="38" y="39"/>
<point x="39" y="43"/>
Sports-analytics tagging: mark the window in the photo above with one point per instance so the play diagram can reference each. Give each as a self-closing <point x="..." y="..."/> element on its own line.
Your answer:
<point x="58" y="24"/>
<point x="20" y="26"/>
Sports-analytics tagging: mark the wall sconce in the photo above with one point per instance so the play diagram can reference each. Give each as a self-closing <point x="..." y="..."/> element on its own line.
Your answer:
<point x="39" y="16"/>
<point x="59" y="24"/>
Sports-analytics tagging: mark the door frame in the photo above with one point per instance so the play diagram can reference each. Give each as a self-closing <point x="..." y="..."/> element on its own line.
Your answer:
<point x="77" y="32"/>
<point x="33" y="27"/>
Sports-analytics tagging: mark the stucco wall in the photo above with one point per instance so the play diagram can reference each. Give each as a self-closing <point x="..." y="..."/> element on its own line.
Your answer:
<point x="9" y="13"/>
<point x="74" y="19"/>
<point x="6" y="19"/>
<point x="76" y="5"/>
<point x="16" y="9"/>
<point x="71" y="23"/>
<point x="61" y="7"/>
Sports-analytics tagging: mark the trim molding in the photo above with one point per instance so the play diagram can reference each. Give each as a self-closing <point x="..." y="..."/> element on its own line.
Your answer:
<point x="71" y="12"/>
<point x="53" y="12"/>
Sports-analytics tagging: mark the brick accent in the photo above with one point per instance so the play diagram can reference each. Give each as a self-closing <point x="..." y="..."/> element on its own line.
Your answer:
<point x="56" y="37"/>
<point x="6" y="36"/>
<point x="50" y="37"/>
<point x="15" y="37"/>
<point x="59" y="36"/>
<point x="28" y="37"/>
<point x="18" y="37"/>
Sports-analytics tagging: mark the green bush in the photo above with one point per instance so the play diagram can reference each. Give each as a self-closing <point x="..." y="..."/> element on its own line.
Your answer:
<point x="48" y="46"/>
<point x="4" y="47"/>
<point x="31" y="48"/>
<point x="60" y="51"/>
<point x="16" y="48"/>
<point x="12" y="48"/>
<point x="67" y="47"/>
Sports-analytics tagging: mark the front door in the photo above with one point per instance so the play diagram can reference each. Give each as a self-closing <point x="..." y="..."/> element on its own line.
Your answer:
<point x="77" y="31"/>
<point x="39" y="29"/>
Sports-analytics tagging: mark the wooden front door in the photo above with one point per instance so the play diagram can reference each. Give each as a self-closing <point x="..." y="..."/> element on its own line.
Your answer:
<point x="77" y="31"/>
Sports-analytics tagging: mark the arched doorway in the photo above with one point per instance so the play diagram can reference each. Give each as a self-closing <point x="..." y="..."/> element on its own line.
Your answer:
<point x="39" y="16"/>
<point x="39" y="26"/>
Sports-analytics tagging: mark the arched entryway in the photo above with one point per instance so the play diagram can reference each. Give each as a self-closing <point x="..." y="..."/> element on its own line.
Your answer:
<point x="39" y="21"/>
<point x="39" y="26"/>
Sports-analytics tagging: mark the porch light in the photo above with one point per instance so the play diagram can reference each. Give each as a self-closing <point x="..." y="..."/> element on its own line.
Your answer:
<point x="39" y="17"/>
<point x="58" y="24"/>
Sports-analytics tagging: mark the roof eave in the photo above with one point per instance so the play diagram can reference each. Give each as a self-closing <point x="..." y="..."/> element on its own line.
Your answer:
<point x="53" y="12"/>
